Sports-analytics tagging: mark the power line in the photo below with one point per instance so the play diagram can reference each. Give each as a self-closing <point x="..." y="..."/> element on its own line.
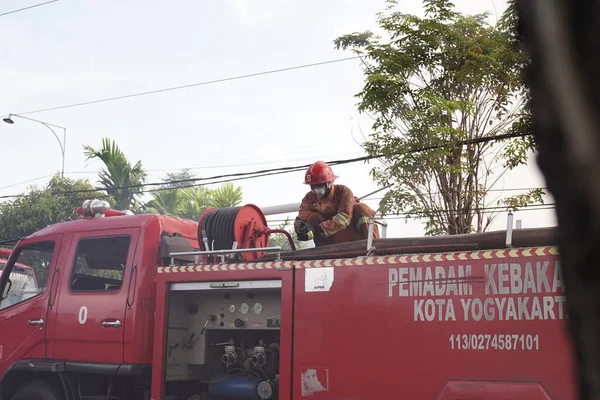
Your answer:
<point x="335" y="162"/>
<point x="486" y="191"/>
<point x="27" y="8"/>
<point x="424" y="214"/>
<point x="212" y="166"/>
<point x="310" y="155"/>
<point x="240" y="176"/>
<point x="27" y="181"/>
<point x="191" y="85"/>
<point x="273" y="171"/>
<point x="166" y="169"/>
<point x="94" y="172"/>
<point x="485" y="210"/>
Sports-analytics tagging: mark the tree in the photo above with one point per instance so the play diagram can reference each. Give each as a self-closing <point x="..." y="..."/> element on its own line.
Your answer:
<point x="438" y="82"/>
<point x="190" y="202"/>
<point x="40" y="207"/>
<point x="172" y="177"/>
<point x="165" y="202"/>
<point x="226" y="195"/>
<point x="195" y="201"/>
<point x="121" y="180"/>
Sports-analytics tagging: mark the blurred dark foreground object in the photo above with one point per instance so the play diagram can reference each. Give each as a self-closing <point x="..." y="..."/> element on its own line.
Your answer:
<point x="564" y="78"/>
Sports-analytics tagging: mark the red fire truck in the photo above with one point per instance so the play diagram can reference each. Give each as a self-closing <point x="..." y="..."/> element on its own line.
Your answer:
<point x="156" y="307"/>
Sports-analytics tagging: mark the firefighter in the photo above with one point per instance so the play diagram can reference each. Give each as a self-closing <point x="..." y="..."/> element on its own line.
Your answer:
<point x="329" y="213"/>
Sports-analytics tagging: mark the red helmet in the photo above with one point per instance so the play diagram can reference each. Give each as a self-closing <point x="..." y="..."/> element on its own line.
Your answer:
<point x="319" y="173"/>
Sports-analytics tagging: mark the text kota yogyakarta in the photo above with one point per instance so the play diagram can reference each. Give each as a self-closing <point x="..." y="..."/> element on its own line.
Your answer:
<point x="503" y="291"/>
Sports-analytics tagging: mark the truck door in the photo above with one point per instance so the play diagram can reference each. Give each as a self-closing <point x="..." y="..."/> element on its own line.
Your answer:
<point x="88" y="321"/>
<point x="24" y="300"/>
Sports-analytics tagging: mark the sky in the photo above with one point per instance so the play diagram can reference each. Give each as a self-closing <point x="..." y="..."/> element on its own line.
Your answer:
<point x="73" y="51"/>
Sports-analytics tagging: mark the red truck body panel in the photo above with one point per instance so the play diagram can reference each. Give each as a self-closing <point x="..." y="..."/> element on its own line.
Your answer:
<point x="468" y="324"/>
<point x="25" y="340"/>
<point x="77" y="317"/>
<point x="66" y="337"/>
<point x="484" y="324"/>
<point x="466" y="316"/>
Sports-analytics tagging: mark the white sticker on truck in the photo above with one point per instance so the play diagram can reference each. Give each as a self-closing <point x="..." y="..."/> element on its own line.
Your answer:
<point x="311" y="383"/>
<point x="318" y="279"/>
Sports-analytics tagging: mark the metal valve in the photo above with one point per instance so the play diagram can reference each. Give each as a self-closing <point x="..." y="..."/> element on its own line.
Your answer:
<point x="210" y="318"/>
<point x="259" y="358"/>
<point x="265" y="390"/>
<point x="190" y="343"/>
<point x="230" y="356"/>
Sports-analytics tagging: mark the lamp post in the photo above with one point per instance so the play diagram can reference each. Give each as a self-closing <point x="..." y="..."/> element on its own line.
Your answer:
<point x="62" y="145"/>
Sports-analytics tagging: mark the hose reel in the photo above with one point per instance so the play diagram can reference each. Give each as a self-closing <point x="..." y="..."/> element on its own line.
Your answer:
<point x="234" y="227"/>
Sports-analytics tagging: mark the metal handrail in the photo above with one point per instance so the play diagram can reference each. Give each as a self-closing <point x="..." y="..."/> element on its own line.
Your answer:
<point x="273" y="249"/>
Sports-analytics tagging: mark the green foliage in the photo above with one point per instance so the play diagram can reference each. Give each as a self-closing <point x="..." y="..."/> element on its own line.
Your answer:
<point x="119" y="177"/>
<point x="523" y="200"/>
<point x="195" y="201"/>
<point x="279" y="239"/>
<point x="227" y="195"/>
<point x="438" y="81"/>
<point x="172" y="177"/>
<point x="40" y="207"/>
<point x="191" y="202"/>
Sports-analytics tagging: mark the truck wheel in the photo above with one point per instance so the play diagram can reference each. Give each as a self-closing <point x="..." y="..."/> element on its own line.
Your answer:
<point x="37" y="390"/>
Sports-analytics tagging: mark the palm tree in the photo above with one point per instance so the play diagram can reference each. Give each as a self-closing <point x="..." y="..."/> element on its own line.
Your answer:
<point x="166" y="202"/>
<point x="227" y="195"/>
<point x="121" y="180"/>
<point x="195" y="201"/>
<point x="191" y="202"/>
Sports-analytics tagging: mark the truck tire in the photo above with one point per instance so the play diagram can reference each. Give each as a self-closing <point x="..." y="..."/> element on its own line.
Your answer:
<point x="37" y="390"/>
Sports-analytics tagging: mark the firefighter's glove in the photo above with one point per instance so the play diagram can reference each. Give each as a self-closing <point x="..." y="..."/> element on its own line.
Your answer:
<point x="304" y="227"/>
<point x="305" y="236"/>
<point x="304" y="232"/>
<point x="319" y="231"/>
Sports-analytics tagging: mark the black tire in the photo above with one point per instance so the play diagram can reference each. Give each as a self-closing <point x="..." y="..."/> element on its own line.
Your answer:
<point x="37" y="390"/>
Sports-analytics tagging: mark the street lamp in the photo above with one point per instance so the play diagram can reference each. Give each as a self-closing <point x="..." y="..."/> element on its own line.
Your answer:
<point x="62" y="145"/>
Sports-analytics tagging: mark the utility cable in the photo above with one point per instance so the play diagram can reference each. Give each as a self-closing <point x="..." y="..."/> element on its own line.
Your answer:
<point x="27" y="181"/>
<point x="252" y="161"/>
<point x="273" y="71"/>
<point x="273" y="171"/>
<point x="426" y="213"/>
<point x="27" y="8"/>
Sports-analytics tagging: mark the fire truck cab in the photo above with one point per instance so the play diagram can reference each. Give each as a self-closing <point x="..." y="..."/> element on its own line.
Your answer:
<point x="157" y="307"/>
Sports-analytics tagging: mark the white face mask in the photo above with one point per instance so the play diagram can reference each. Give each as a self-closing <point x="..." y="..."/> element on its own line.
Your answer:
<point x="320" y="191"/>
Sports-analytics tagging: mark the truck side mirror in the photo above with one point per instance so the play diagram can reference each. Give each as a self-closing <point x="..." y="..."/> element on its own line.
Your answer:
<point x="7" y="289"/>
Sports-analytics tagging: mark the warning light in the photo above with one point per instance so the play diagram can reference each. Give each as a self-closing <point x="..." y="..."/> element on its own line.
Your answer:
<point x="94" y="208"/>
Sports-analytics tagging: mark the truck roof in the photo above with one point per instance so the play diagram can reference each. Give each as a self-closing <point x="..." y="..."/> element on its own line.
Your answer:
<point x="530" y="237"/>
<point x="188" y="228"/>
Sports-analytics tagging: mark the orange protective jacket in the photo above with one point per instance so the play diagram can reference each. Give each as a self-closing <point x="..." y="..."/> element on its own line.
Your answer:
<point x="336" y="207"/>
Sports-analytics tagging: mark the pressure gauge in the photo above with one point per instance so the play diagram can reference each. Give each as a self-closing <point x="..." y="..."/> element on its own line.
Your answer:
<point x="244" y="308"/>
<point x="257" y="308"/>
<point x="232" y="308"/>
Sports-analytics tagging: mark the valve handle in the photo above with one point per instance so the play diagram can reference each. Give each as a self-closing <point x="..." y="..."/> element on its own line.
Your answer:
<point x="210" y="318"/>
